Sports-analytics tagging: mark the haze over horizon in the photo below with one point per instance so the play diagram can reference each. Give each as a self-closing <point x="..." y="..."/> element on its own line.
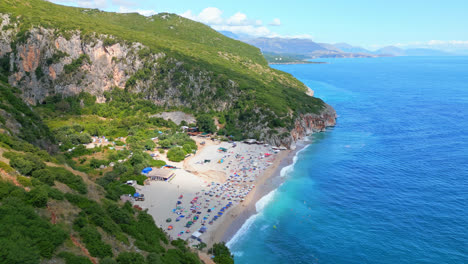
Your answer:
<point x="370" y="24"/>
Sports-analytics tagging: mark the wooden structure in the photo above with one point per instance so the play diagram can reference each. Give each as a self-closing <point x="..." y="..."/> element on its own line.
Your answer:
<point x="160" y="174"/>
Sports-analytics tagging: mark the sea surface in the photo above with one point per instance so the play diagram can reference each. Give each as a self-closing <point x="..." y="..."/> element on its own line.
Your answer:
<point x="388" y="184"/>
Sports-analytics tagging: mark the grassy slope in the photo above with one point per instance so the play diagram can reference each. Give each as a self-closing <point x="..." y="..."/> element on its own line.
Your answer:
<point x="189" y="41"/>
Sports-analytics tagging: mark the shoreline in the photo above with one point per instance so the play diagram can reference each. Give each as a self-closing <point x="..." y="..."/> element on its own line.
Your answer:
<point x="211" y="179"/>
<point x="239" y="214"/>
<point x="298" y="62"/>
<point x="270" y="181"/>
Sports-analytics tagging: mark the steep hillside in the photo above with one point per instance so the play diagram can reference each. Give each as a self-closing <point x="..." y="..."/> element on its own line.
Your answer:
<point x="17" y="119"/>
<point x="51" y="213"/>
<point x="47" y="49"/>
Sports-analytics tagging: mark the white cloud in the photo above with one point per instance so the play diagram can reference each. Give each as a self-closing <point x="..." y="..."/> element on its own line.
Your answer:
<point x="209" y="16"/>
<point x="238" y="23"/>
<point x="84" y="3"/>
<point x="124" y="2"/>
<point x="276" y="22"/>
<point x="139" y="11"/>
<point x="237" y="19"/>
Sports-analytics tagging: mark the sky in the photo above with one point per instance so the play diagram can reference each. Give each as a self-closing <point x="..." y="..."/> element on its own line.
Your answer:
<point x="368" y="23"/>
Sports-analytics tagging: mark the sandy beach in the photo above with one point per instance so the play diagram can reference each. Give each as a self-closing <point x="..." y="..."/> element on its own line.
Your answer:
<point x="215" y="188"/>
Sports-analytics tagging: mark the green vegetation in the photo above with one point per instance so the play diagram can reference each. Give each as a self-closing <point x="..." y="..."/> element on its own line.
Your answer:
<point x="285" y="58"/>
<point x="56" y="57"/>
<point x="238" y="85"/>
<point x="237" y="88"/>
<point x="222" y="254"/>
<point x="176" y="154"/>
<point x="73" y="259"/>
<point x="25" y="237"/>
<point x="31" y="128"/>
<point x="206" y="124"/>
<point x="76" y="63"/>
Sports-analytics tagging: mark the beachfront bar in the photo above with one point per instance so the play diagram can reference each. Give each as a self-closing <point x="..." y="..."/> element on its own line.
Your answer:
<point x="157" y="174"/>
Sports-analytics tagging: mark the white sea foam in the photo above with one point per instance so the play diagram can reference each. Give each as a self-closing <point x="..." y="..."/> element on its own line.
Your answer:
<point x="286" y="170"/>
<point x="259" y="207"/>
<point x="242" y="231"/>
<point x="261" y="204"/>
<point x="264" y="201"/>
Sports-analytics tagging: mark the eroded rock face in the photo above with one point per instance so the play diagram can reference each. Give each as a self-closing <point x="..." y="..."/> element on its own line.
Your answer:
<point x="306" y="125"/>
<point x="39" y="76"/>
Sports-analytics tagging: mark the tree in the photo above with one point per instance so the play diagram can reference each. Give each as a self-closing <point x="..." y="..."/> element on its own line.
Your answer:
<point x="149" y="144"/>
<point x="176" y="154"/>
<point x="165" y="143"/>
<point x="206" y="124"/>
<point x="222" y="254"/>
<point x="130" y="258"/>
<point x="154" y="258"/>
<point x="187" y="148"/>
<point x="38" y="197"/>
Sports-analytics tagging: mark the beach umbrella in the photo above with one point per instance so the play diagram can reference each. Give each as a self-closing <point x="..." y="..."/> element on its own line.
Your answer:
<point x="170" y="227"/>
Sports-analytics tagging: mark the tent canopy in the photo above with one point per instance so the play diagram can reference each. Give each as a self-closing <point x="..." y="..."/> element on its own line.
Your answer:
<point x="196" y="234"/>
<point x="146" y="170"/>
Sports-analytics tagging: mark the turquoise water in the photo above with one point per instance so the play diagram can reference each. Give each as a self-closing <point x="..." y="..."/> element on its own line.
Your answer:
<point x="388" y="184"/>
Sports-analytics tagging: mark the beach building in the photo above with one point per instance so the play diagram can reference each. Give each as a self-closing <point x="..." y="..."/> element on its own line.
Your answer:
<point x="156" y="174"/>
<point x="250" y="141"/>
<point x="196" y="235"/>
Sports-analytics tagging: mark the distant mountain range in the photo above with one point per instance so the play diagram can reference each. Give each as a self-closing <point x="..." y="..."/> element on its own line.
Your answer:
<point x="308" y="49"/>
<point x="304" y="47"/>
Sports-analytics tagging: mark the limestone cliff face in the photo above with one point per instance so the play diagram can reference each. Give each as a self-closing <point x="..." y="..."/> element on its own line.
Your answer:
<point x="306" y="125"/>
<point x="46" y="63"/>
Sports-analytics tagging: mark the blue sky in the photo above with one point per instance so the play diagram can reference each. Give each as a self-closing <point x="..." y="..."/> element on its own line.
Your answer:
<point x="372" y="24"/>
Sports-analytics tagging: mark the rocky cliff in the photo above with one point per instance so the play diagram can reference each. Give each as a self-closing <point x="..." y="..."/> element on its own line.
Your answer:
<point x="45" y="63"/>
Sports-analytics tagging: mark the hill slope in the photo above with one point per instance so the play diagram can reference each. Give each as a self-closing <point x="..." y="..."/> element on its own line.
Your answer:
<point x="172" y="61"/>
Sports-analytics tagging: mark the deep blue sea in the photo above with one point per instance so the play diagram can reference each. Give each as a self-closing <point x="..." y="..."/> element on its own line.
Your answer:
<point x="388" y="184"/>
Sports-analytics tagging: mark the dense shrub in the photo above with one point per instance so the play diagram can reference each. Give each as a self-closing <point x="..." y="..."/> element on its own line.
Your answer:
<point x="206" y="124"/>
<point x="73" y="259"/>
<point x="76" y="63"/>
<point x="38" y="196"/>
<point x="24" y="236"/>
<point x="221" y="253"/>
<point x="94" y="244"/>
<point x="176" y="154"/>
<point x="51" y="174"/>
<point x="130" y="258"/>
<point x="24" y="163"/>
<point x="157" y="163"/>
